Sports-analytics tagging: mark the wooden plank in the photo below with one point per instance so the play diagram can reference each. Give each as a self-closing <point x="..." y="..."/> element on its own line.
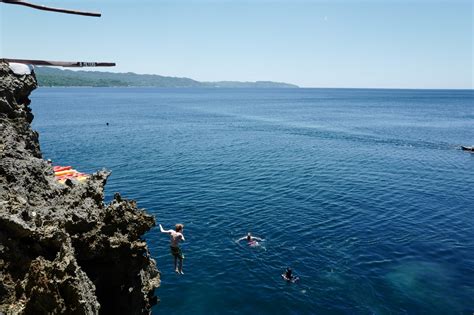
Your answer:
<point x="60" y="63"/>
<point x="45" y="8"/>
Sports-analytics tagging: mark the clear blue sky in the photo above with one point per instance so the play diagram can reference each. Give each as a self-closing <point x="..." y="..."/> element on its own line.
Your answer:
<point x="397" y="44"/>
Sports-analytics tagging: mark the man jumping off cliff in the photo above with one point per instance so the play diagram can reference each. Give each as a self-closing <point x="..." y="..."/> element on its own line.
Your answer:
<point x="176" y="237"/>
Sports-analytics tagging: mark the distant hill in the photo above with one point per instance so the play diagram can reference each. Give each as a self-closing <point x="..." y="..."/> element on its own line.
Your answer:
<point x="56" y="77"/>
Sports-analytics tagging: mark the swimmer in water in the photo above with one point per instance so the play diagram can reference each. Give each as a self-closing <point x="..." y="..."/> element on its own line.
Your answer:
<point x="251" y="240"/>
<point x="288" y="275"/>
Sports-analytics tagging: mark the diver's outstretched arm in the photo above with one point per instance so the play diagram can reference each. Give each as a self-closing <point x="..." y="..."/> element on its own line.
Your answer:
<point x="165" y="231"/>
<point x="258" y="238"/>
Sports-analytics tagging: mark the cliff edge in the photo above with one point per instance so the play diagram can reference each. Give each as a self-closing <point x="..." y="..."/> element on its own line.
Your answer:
<point x="62" y="250"/>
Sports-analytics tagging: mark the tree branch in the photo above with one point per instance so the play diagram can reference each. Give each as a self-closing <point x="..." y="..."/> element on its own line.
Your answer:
<point x="45" y="8"/>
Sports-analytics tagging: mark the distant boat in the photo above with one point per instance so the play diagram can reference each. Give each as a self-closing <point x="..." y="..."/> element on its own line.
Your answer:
<point x="467" y="148"/>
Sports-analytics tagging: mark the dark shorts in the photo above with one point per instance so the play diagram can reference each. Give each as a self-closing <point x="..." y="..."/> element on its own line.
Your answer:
<point x="176" y="252"/>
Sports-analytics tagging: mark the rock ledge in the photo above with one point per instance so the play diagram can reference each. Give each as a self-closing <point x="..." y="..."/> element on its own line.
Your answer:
<point x="62" y="250"/>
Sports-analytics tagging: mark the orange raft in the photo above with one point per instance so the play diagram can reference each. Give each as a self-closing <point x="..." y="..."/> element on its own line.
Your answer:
<point x="62" y="173"/>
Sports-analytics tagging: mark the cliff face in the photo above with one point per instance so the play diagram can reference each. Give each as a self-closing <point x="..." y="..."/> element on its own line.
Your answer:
<point x="62" y="250"/>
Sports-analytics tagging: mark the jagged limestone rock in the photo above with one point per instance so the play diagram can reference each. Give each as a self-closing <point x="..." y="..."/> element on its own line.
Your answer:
<point x="62" y="250"/>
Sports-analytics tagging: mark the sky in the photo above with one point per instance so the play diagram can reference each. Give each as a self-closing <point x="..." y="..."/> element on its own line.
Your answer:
<point x="353" y="44"/>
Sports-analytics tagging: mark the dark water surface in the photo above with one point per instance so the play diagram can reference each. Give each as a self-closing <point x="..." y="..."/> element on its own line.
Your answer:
<point x="365" y="193"/>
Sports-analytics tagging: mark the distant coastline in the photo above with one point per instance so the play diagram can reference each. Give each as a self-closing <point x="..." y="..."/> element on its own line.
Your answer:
<point x="52" y="77"/>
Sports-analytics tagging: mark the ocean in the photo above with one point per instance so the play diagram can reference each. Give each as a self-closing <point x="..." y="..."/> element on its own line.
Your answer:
<point x="364" y="193"/>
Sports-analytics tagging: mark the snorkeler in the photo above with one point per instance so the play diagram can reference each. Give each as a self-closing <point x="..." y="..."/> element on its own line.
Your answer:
<point x="251" y="240"/>
<point x="176" y="237"/>
<point x="288" y="275"/>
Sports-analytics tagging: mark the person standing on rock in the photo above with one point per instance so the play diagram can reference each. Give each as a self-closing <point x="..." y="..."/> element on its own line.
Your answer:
<point x="176" y="237"/>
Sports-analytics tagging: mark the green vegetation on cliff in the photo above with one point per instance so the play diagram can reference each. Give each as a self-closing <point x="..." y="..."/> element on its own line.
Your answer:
<point x="56" y="77"/>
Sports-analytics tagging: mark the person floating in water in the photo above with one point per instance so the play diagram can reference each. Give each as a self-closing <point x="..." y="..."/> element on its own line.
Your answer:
<point x="288" y="275"/>
<point x="251" y="240"/>
<point x="175" y="237"/>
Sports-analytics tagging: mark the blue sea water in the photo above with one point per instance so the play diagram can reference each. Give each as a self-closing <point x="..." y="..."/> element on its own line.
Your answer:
<point x="364" y="193"/>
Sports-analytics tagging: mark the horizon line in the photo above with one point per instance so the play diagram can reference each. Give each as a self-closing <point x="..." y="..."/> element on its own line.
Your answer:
<point x="297" y="86"/>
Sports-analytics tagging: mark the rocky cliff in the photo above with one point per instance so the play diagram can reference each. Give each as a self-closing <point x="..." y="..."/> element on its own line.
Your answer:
<point x="62" y="250"/>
